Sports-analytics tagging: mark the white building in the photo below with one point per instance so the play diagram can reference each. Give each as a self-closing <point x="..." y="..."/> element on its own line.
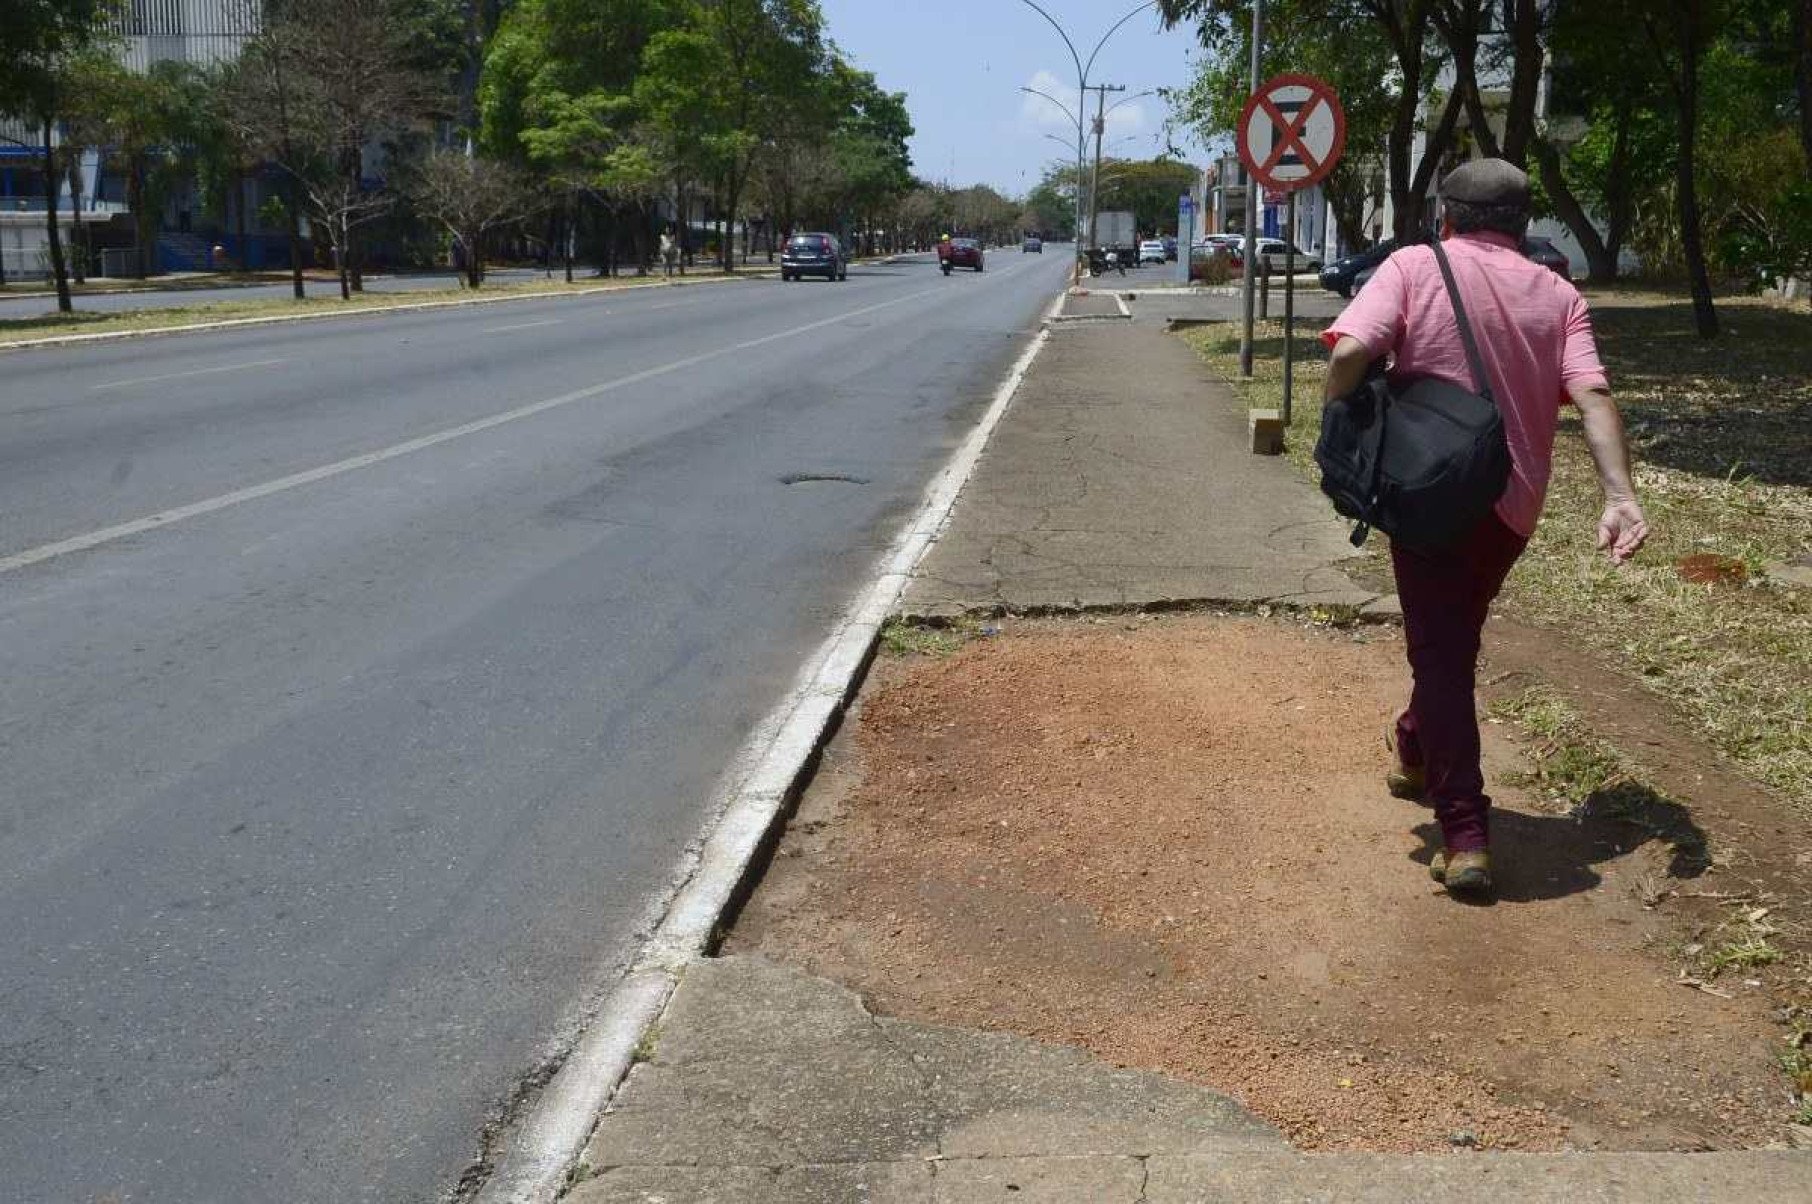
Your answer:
<point x="200" y="32"/>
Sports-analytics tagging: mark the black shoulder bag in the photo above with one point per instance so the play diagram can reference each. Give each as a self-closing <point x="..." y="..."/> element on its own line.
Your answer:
<point x="1422" y="460"/>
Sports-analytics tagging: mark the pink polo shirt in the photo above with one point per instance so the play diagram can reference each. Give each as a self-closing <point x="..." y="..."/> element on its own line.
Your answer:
<point x="1533" y="331"/>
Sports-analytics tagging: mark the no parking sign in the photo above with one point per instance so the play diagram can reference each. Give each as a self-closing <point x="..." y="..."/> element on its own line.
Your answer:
<point x="1292" y="132"/>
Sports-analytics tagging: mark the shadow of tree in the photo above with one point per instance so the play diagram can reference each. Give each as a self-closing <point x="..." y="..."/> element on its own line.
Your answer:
<point x="1738" y="405"/>
<point x="1541" y="857"/>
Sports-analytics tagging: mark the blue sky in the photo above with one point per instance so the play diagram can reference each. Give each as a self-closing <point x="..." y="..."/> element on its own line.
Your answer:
<point x="961" y="64"/>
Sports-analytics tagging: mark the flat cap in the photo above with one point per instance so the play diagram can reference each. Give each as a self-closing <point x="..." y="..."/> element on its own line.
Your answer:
<point x="1487" y="182"/>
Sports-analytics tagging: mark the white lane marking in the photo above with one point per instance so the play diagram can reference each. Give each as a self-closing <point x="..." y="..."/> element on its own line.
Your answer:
<point x="151" y="522"/>
<point x="754" y="790"/>
<point x="147" y="380"/>
<point x="523" y="325"/>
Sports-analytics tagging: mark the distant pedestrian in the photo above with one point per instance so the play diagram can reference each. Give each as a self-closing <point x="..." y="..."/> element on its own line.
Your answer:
<point x="1535" y="337"/>
<point x="669" y="252"/>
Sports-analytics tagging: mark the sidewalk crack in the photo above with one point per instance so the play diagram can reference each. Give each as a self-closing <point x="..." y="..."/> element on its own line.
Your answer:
<point x="926" y="1087"/>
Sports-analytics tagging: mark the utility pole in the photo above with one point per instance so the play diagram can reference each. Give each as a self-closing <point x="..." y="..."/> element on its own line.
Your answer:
<point x="1094" y="188"/>
<point x="1249" y="269"/>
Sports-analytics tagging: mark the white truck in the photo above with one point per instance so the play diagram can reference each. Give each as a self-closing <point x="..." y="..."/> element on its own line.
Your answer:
<point x="1115" y="231"/>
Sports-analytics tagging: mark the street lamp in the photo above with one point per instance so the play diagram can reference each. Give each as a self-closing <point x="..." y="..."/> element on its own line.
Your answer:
<point x="1082" y="70"/>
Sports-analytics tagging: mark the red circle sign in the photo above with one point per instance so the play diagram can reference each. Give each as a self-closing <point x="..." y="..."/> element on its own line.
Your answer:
<point x="1292" y="132"/>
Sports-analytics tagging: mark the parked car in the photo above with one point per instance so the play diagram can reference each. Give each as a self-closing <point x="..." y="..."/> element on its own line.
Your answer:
<point x="959" y="253"/>
<point x="1339" y="276"/>
<point x="1536" y="250"/>
<point x="814" y="254"/>
<point x="1273" y="253"/>
<point x="1210" y="263"/>
<point x="1151" y="251"/>
<point x="1544" y="252"/>
<point x="1032" y="244"/>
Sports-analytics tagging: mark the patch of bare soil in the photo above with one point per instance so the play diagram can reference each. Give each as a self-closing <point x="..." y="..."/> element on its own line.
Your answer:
<point x="1166" y="840"/>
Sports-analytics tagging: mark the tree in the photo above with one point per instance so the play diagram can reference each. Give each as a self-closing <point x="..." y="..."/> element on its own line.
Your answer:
<point x="725" y="81"/>
<point x="40" y="41"/>
<point x="1679" y="36"/>
<point x="471" y="197"/>
<point x="322" y="81"/>
<point x="1364" y="43"/>
<point x="1354" y="56"/>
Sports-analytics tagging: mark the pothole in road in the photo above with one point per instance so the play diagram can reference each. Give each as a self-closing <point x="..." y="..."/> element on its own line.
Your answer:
<point x="807" y="478"/>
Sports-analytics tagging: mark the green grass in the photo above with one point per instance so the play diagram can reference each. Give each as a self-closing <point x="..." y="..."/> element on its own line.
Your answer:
<point x="1722" y="437"/>
<point x="905" y="637"/>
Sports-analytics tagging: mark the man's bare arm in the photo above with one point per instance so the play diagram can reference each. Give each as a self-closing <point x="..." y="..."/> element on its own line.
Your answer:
<point x="1347" y="363"/>
<point x="1623" y="528"/>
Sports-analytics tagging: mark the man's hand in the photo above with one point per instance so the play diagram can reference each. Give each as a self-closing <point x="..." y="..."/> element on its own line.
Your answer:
<point x="1622" y="530"/>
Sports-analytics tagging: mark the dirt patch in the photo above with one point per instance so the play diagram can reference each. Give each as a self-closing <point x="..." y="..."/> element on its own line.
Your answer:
<point x="1165" y="839"/>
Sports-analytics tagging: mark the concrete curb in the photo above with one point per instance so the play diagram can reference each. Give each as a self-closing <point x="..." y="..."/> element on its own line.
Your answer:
<point x="762" y="783"/>
<point x="109" y="336"/>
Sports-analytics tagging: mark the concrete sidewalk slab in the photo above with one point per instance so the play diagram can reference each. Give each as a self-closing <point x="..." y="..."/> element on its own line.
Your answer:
<point x="1120" y="478"/>
<point x="767" y="1085"/>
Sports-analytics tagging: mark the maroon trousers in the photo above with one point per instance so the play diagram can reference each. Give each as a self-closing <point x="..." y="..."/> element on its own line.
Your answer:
<point x="1446" y="596"/>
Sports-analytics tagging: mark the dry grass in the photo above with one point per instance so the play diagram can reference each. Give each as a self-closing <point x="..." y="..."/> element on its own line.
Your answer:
<point x="1722" y="434"/>
<point x="325" y="303"/>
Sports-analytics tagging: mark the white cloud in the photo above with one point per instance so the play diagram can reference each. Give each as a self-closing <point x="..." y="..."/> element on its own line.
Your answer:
<point x="1040" y="114"/>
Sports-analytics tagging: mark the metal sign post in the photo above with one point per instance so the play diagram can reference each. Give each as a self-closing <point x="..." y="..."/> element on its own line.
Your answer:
<point x="1290" y="136"/>
<point x="1289" y="304"/>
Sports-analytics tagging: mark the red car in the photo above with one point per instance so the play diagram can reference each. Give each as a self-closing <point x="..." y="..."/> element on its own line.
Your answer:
<point x="959" y="253"/>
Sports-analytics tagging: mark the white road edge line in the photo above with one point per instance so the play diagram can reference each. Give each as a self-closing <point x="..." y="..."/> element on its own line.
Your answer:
<point x="150" y="380"/>
<point x="534" y="1168"/>
<point x="521" y="326"/>
<point x="151" y="522"/>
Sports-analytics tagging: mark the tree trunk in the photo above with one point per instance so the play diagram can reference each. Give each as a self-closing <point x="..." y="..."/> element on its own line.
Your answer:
<point x="474" y="264"/>
<point x="1802" y="73"/>
<point x="135" y="201"/>
<point x="244" y="251"/>
<point x="293" y="204"/>
<point x="1433" y="151"/>
<point x="341" y="267"/>
<point x="58" y="268"/>
<point x="727" y="224"/>
<point x="1619" y="204"/>
<point x="1525" y="81"/>
<point x="566" y="237"/>
<point x="1692" y="242"/>
<point x="1466" y="81"/>
<point x="79" y="245"/>
<point x="1405" y="210"/>
<point x="1601" y="261"/>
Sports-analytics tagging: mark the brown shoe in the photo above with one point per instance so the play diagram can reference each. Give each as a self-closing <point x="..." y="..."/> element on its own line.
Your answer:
<point x="1407" y="782"/>
<point x="1463" y="873"/>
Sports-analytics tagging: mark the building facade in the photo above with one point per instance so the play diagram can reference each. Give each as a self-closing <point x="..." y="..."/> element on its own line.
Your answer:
<point x="199" y="33"/>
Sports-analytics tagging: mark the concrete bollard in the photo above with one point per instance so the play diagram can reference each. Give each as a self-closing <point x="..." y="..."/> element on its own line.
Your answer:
<point x="1266" y="430"/>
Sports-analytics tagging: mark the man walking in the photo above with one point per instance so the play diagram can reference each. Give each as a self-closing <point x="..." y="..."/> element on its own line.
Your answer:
<point x="1535" y="337"/>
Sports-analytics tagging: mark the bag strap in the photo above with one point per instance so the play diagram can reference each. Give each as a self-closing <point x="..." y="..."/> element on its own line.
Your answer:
<point x="1480" y="380"/>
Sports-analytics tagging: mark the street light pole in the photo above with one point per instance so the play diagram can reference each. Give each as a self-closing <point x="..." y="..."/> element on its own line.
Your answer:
<point x="1082" y="70"/>
<point x="1249" y="269"/>
<point x="1094" y="188"/>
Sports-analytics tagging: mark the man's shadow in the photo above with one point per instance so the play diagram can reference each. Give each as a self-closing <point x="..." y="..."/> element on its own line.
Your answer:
<point x="1536" y="857"/>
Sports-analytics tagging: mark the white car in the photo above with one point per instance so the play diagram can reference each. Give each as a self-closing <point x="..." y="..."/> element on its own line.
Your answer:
<point x="1151" y="251"/>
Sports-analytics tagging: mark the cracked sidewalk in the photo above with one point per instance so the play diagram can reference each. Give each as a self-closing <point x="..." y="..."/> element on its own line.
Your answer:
<point x="1120" y="478"/>
<point x="766" y="1085"/>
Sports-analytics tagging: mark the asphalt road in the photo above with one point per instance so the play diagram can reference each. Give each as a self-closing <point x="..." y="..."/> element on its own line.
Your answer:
<point x="121" y="302"/>
<point x="362" y="682"/>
